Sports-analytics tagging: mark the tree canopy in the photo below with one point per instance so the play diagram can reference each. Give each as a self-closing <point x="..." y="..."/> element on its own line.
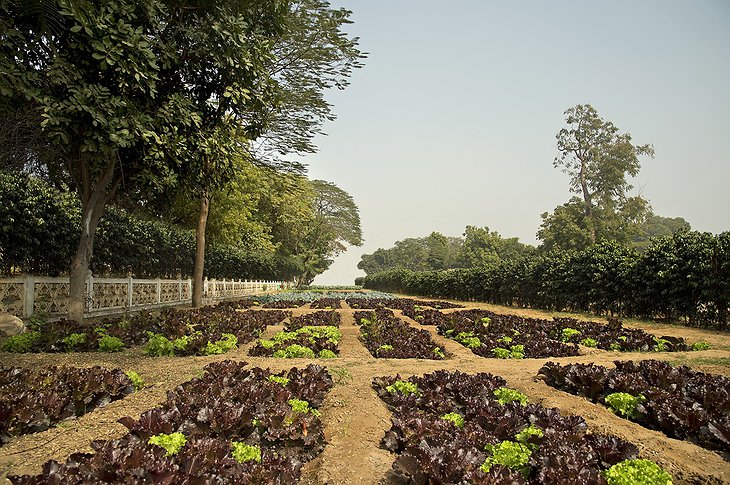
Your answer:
<point x="598" y="158"/>
<point x="478" y="247"/>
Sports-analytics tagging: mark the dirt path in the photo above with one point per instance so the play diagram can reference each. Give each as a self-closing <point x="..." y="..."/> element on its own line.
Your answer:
<point x="355" y="419"/>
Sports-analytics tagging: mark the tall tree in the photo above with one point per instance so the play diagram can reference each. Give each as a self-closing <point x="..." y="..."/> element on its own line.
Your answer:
<point x="598" y="159"/>
<point x="91" y="80"/>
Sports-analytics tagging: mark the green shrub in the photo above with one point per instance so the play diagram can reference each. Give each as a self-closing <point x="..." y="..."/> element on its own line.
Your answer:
<point x="505" y="340"/>
<point x="243" y="452"/>
<point x="21" y="343"/>
<point x="517" y="352"/>
<point x="569" y="333"/>
<point x="501" y="353"/>
<point x="637" y="472"/>
<point x="299" y="406"/>
<point x="136" y="379"/>
<point x="624" y="403"/>
<point x="279" y="380"/>
<point x="326" y="354"/>
<point x="74" y="340"/>
<point x="510" y="454"/>
<point x="469" y="340"/>
<point x="661" y="344"/>
<point x="172" y="443"/>
<point x="294" y="351"/>
<point x="455" y="418"/>
<point x="505" y="395"/>
<point x="267" y="344"/>
<point x="403" y="387"/>
<point x="107" y="343"/>
<point x="589" y="342"/>
<point x="158" y="345"/>
<point x="700" y="346"/>
<point x="439" y="353"/>
<point x="226" y="343"/>
<point x="527" y="433"/>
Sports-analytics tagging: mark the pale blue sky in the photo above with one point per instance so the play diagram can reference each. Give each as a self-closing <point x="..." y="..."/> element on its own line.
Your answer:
<point x="452" y="121"/>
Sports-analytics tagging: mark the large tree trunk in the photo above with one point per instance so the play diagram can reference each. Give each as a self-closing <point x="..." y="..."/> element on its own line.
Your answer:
<point x="200" y="249"/>
<point x="94" y="198"/>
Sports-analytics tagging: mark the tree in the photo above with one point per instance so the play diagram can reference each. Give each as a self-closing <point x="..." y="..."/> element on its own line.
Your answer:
<point x="334" y="225"/>
<point x="92" y="82"/>
<point x="147" y="94"/>
<point x="260" y="68"/>
<point x="482" y="246"/>
<point x="655" y="226"/>
<point x="598" y="159"/>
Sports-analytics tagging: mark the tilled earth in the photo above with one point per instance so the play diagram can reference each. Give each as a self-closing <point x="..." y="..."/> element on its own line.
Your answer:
<point x="355" y="419"/>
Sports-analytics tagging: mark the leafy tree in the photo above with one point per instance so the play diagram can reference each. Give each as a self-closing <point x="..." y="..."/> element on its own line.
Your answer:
<point x="598" y="159"/>
<point x="333" y="223"/>
<point x="92" y="81"/>
<point x="436" y="251"/>
<point x="654" y="226"/>
<point x="482" y="246"/>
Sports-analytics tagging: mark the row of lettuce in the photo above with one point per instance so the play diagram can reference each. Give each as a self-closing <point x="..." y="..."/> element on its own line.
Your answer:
<point x="685" y="276"/>
<point x="451" y="427"/>
<point x="231" y="425"/>
<point x="239" y="425"/>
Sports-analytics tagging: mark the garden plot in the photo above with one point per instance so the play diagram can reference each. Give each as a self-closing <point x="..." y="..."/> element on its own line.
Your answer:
<point x="450" y="427"/>
<point x="232" y="425"/>
<point x="677" y="401"/>
<point x="489" y="334"/>
<point x="387" y="336"/>
<point x="304" y="342"/>
<point x="33" y="401"/>
<point x="205" y="331"/>
<point x="354" y="419"/>
<point x="320" y="318"/>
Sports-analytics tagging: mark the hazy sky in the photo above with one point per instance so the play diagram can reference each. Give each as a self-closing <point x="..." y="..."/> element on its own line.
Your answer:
<point x="452" y="121"/>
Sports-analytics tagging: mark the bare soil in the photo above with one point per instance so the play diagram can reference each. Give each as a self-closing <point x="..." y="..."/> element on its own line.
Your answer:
<point x="355" y="419"/>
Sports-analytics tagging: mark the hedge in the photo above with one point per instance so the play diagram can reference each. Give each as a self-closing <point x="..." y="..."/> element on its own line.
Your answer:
<point x="39" y="233"/>
<point x="686" y="275"/>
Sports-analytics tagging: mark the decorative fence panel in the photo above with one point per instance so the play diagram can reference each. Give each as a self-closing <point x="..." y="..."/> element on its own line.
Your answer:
<point x="27" y="295"/>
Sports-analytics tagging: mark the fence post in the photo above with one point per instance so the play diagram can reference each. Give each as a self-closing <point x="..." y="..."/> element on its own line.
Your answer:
<point x="130" y="289"/>
<point x="179" y="289"/>
<point x="159" y="290"/>
<point x="28" y="296"/>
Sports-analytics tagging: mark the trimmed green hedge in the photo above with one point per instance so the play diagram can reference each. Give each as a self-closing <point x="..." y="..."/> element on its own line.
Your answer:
<point x="686" y="275"/>
<point x="39" y="233"/>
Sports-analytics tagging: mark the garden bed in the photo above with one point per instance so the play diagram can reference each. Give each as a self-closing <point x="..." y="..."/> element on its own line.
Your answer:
<point x="304" y="342"/>
<point x="387" y="336"/>
<point x="232" y="425"/>
<point x="32" y="401"/>
<point x="677" y="401"/>
<point x="489" y="334"/>
<point x="202" y="331"/>
<point x="451" y="427"/>
<point x="320" y="318"/>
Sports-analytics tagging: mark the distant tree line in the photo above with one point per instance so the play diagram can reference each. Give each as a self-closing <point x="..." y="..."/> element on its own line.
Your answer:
<point x="686" y="275"/>
<point x="434" y="252"/>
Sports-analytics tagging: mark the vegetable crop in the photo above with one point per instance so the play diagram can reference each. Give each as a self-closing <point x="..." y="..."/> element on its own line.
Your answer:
<point x="677" y="401"/>
<point x="232" y="425"/>
<point x="455" y="430"/>
<point x="32" y="401"/>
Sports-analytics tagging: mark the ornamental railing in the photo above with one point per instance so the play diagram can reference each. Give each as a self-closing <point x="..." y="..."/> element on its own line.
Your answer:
<point x="28" y="295"/>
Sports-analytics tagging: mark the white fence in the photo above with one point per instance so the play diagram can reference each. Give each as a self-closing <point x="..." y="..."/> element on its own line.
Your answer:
<point x="27" y="295"/>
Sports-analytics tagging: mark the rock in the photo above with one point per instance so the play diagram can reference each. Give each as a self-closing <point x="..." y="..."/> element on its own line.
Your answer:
<point x="10" y="324"/>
